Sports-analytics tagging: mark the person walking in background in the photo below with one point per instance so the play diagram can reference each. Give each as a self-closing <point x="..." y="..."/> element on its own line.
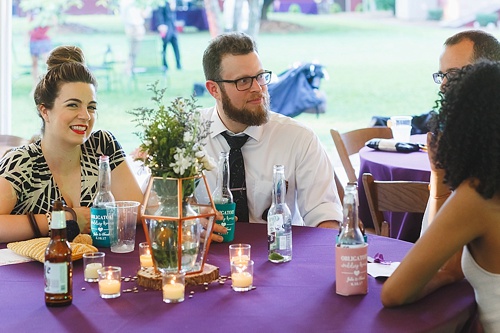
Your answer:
<point x="163" y="21"/>
<point x="133" y="19"/>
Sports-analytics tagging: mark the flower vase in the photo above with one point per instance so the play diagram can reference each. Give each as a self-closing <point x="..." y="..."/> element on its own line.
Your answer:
<point x="177" y="224"/>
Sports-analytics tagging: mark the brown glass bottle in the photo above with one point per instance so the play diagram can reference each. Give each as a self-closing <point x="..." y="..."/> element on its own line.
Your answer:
<point x="58" y="265"/>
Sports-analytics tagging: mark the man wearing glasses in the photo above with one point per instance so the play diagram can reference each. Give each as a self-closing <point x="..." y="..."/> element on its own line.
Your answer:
<point x="462" y="49"/>
<point x="238" y="82"/>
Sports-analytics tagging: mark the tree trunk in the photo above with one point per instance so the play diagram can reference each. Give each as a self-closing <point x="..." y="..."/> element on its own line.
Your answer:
<point x="265" y="9"/>
<point x="254" y="10"/>
<point x="237" y="15"/>
<point x="214" y="17"/>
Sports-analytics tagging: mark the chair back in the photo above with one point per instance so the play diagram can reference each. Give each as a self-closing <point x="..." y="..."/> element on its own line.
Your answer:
<point x="393" y="196"/>
<point x="148" y="63"/>
<point x="340" y="188"/>
<point x="349" y="143"/>
<point x="10" y="141"/>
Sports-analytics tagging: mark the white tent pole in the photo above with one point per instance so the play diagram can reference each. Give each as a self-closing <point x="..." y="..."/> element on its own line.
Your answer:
<point x="5" y="66"/>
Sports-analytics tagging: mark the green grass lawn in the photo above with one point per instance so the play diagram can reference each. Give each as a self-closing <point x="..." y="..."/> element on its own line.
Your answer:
<point x="377" y="66"/>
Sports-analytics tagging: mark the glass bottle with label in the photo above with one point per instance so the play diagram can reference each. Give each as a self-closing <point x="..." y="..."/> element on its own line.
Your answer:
<point x="58" y="266"/>
<point x="279" y="220"/>
<point x="223" y="198"/>
<point x="99" y="226"/>
<point x="351" y="251"/>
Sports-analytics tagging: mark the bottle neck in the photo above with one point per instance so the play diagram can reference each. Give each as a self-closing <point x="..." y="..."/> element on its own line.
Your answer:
<point x="279" y="187"/>
<point x="58" y="225"/>
<point x="104" y="181"/>
<point x="351" y="215"/>
<point x="350" y="231"/>
<point x="223" y="178"/>
<point x="59" y="234"/>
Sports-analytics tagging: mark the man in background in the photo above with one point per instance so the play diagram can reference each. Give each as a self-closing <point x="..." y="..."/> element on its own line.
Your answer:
<point x="462" y="49"/>
<point x="163" y="21"/>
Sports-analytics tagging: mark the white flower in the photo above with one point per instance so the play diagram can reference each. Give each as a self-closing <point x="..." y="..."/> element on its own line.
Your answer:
<point x="208" y="163"/>
<point x="188" y="137"/>
<point x="182" y="162"/>
<point x="200" y="154"/>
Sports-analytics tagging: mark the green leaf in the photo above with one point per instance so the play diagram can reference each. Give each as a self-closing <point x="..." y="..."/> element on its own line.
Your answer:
<point x="275" y="256"/>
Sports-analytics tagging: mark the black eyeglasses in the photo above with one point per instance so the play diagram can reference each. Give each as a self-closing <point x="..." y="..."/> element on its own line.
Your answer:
<point x="246" y="83"/>
<point x="439" y="77"/>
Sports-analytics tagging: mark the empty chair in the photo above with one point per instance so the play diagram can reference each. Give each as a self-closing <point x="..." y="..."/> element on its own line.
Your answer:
<point x="349" y="143"/>
<point x="393" y="196"/>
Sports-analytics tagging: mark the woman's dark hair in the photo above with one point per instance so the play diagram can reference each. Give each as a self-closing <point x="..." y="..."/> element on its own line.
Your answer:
<point x="65" y="64"/>
<point x="468" y="126"/>
<point x="235" y="43"/>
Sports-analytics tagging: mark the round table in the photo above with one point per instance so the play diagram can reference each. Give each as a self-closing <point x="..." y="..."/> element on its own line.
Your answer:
<point x="394" y="166"/>
<point x="297" y="296"/>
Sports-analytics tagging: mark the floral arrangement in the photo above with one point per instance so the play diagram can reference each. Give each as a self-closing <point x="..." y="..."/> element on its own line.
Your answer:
<point x="172" y="137"/>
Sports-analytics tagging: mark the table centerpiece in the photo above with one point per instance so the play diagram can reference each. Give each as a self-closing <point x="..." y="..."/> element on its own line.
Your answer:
<point x="177" y="222"/>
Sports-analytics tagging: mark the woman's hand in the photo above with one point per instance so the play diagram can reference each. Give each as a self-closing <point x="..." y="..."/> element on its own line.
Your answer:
<point x="83" y="219"/>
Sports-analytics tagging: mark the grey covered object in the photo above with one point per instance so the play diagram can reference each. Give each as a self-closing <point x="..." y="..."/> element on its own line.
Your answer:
<point x="393" y="145"/>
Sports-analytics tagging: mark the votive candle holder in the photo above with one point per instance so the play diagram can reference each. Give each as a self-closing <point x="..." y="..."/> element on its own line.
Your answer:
<point x="109" y="281"/>
<point x="173" y="287"/>
<point x="92" y="261"/>
<point x="242" y="275"/>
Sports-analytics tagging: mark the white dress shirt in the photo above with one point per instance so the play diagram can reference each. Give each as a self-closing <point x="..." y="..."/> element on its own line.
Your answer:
<point x="312" y="194"/>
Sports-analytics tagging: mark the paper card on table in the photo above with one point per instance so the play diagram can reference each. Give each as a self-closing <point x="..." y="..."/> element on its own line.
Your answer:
<point x="9" y="257"/>
<point x="382" y="270"/>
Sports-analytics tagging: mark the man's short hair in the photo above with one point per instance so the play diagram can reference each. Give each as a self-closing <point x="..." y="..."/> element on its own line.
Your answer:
<point x="486" y="46"/>
<point x="234" y="43"/>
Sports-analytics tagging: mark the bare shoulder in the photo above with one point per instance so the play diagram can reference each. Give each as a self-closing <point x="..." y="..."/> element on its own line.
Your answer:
<point x="483" y="217"/>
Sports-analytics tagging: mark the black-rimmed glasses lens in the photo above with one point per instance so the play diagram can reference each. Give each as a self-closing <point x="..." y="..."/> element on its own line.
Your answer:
<point x="245" y="83"/>
<point x="439" y="77"/>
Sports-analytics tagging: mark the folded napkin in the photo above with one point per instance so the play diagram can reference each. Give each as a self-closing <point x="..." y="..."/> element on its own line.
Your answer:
<point x="382" y="270"/>
<point x="392" y="145"/>
<point x="35" y="248"/>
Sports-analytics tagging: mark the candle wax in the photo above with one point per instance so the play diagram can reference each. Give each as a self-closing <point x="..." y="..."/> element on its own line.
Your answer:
<point x="109" y="287"/>
<point x="91" y="270"/>
<point x="146" y="260"/>
<point x="173" y="291"/>
<point x="242" y="280"/>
